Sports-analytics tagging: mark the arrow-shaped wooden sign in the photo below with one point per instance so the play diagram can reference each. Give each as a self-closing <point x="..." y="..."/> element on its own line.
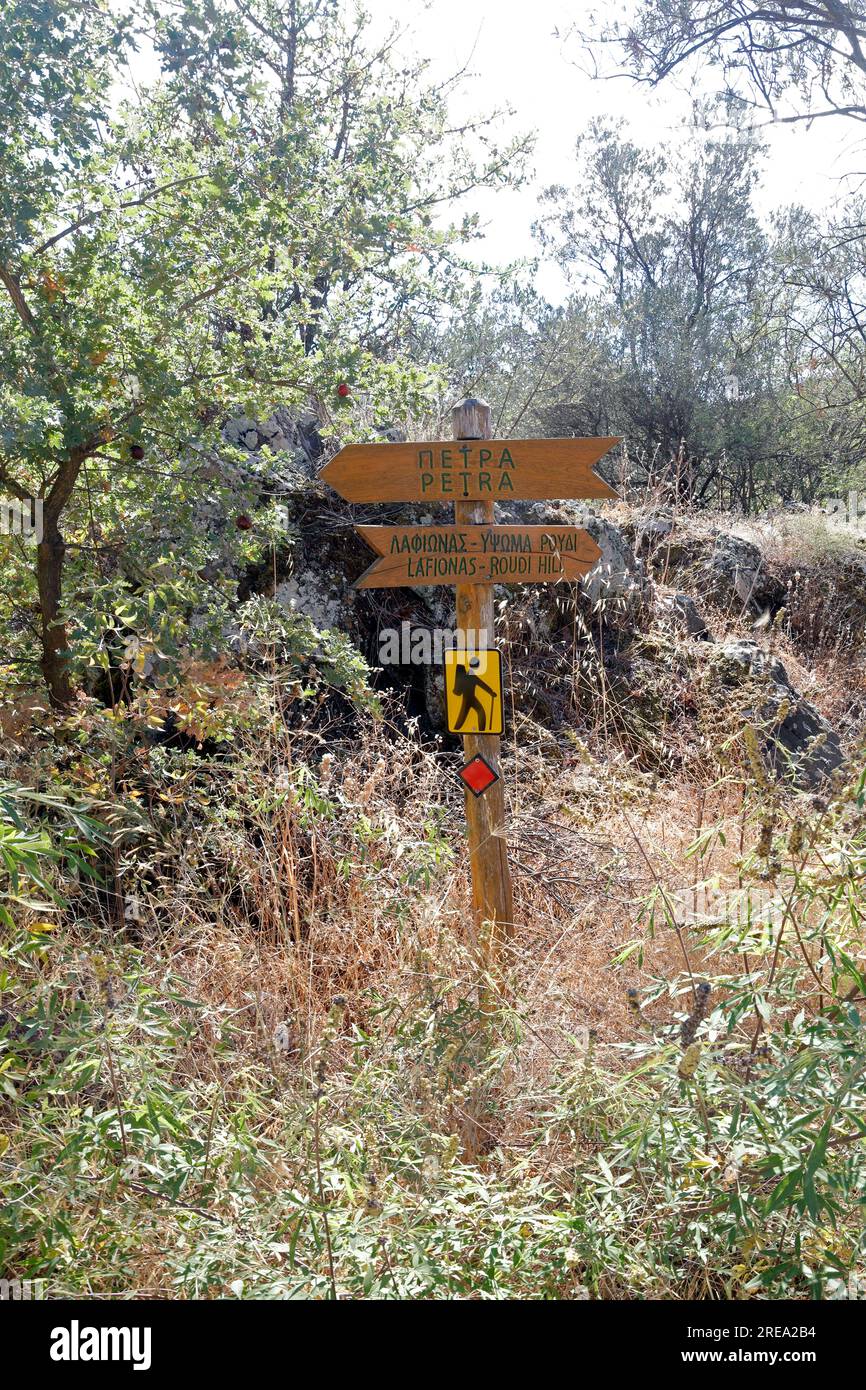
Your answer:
<point x="487" y="470"/>
<point x="415" y="556"/>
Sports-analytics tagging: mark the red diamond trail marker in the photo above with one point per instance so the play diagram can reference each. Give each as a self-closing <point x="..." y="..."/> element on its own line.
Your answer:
<point x="478" y="775"/>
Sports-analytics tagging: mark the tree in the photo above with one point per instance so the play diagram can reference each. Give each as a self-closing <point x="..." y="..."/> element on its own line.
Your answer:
<point x="547" y="369"/>
<point x="797" y="62"/>
<point x="368" y="128"/>
<point x="117" y="257"/>
<point x="822" y="327"/>
<point x="670" y="242"/>
<point x="761" y="51"/>
<point x="248" y="231"/>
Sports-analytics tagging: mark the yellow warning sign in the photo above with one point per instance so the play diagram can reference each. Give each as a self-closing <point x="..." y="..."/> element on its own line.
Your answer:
<point x="473" y="691"/>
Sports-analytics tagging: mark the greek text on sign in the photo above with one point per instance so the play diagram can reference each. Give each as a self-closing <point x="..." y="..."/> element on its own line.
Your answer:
<point x="414" y="556"/>
<point x="473" y="691"/>
<point x="472" y="469"/>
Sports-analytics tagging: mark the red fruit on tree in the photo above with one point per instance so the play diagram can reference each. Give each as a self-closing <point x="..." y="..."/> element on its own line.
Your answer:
<point x="243" y="523"/>
<point x="343" y="389"/>
<point x="137" y="451"/>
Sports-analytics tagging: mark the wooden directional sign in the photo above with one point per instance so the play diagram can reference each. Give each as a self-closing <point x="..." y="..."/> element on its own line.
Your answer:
<point x="491" y="470"/>
<point x="414" y="556"/>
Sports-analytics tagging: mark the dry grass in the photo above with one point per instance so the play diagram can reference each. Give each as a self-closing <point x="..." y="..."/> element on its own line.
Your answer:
<point x="271" y="914"/>
<point x="324" y="860"/>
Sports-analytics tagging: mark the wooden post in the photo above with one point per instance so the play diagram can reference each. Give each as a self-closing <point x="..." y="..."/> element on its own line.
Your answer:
<point x="485" y="815"/>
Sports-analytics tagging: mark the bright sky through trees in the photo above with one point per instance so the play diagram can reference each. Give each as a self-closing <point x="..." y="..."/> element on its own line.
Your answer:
<point x="519" y="54"/>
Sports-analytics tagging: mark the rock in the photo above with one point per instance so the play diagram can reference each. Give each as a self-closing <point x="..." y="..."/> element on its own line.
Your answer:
<point x="681" y="612"/>
<point x="438" y="603"/>
<point x="796" y="740"/>
<point x="282" y="432"/>
<point x="390" y="433"/>
<point x="726" y="569"/>
<point x="737" y="576"/>
<point x="618" y="583"/>
<point x="619" y="578"/>
<point x="311" y="594"/>
<point x="434" y="695"/>
<point x="234" y="430"/>
<point x="651" y="529"/>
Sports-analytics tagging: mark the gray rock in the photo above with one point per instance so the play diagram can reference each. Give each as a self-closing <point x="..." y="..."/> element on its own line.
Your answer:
<point x="726" y="569"/>
<point x="618" y="583"/>
<point x="390" y="433"/>
<point x="317" y="596"/>
<point x="797" y="741"/>
<point x="681" y="612"/>
<point x="234" y="430"/>
<point x="434" y="695"/>
<point x="438" y="601"/>
<point x="618" y="578"/>
<point x="282" y="432"/>
<point x="733" y="574"/>
<point x="737" y="576"/>
<point x="651" y="529"/>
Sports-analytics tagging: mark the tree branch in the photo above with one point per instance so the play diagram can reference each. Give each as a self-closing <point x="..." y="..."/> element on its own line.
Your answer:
<point x="22" y="308"/>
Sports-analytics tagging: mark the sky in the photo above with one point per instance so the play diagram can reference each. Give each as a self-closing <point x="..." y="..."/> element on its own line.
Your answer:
<point x="517" y="59"/>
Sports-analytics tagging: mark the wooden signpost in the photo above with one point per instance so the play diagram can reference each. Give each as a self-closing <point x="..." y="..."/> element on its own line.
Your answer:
<point x="475" y="468"/>
<point x="474" y="472"/>
<point x="421" y="555"/>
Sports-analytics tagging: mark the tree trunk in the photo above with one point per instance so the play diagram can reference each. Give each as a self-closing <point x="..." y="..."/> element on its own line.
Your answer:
<point x="55" y="641"/>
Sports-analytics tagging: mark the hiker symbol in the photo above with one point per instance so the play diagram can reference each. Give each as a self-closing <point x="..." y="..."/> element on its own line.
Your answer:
<point x="473" y="691"/>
